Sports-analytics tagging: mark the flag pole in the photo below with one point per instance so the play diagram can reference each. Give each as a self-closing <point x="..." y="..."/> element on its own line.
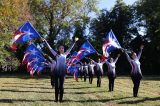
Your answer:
<point x="92" y="46"/>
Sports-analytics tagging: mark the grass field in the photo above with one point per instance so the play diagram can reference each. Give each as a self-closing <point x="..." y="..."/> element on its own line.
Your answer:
<point x="26" y="91"/>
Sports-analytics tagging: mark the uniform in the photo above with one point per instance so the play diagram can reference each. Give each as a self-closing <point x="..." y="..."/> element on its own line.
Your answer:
<point x="136" y="74"/>
<point x="111" y="73"/>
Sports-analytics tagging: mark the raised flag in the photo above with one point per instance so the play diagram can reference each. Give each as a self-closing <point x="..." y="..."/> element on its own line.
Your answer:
<point x="32" y="52"/>
<point x="23" y="34"/>
<point x="72" y="59"/>
<point x="85" y="50"/>
<point x="111" y="43"/>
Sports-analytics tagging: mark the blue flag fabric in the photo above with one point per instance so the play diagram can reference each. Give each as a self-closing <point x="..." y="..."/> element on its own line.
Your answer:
<point x="72" y="59"/>
<point x="85" y="50"/>
<point x="74" y="71"/>
<point x="111" y="43"/>
<point x="33" y="56"/>
<point x="28" y="32"/>
<point x="33" y="50"/>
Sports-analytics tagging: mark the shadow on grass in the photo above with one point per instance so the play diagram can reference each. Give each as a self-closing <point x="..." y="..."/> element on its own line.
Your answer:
<point x="82" y="101"/>
<point x="52" y="100"/>
<point x="79" y="87"/>
<point x="6" y="90"/>
<point x="84" y="92"/>
<point x="23" y="100"/>
<point x="156" y="78"/>
<point x="139" y="101"/>
<point x="23" y="83"/>
<point x="26" y="87"/>
<point x="95" y="100"/>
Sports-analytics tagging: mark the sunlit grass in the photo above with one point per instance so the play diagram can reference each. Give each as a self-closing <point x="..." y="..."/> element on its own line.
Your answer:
<point x="32" y="92"/>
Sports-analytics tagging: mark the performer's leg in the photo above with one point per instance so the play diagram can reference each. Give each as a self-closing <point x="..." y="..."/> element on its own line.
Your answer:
<point x="113" y="84"/>
<point x="100" y="81"/>
<point x="56" y="88"/>
<point x="91" y="79"/>
<point x="134" y="85"/>
<point x="97" y="81"/>
<point x="61" y="87"/>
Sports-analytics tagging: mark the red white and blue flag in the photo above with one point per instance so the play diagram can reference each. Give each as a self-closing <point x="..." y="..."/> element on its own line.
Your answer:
<point x="85" y="49"/>
<point x="111" y="43"/>
<point x="25" y="33"/>
<point x="34" y="59"/>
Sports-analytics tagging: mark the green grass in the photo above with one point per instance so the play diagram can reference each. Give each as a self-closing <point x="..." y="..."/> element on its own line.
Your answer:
<point x="26" y="91"/>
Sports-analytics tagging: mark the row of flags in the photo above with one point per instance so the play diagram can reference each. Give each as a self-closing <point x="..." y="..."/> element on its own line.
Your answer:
<point x="111" y="43"/>
<point x="35" y="60"/>
<point x="85" y="50"/>
<point x="33" y="57"/>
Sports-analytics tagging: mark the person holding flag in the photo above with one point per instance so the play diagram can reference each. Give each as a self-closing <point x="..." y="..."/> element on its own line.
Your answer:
<point x="80" y="71"/>
<point x="99" y="71"/>
<point x="110" y="43"/>
<point x="51" y="64"/>
<point x="111" y="72"/>
<point x="136" y="74"/>
<point x="91" y="71"/>
<point x="60" y="69"/>
<point x="85" y="70"/>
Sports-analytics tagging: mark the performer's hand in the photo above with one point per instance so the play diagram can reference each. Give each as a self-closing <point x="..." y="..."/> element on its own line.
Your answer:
<point x="46" y="55"/>
<point x="118" y="55"/>
<point x="87" y="58"/>
<point x="76" y="39"/>
<point x="122" y="49"/>
<point x="44" y="40"/>
<point x="99" y="54"/>
<point x="142" y="46"/>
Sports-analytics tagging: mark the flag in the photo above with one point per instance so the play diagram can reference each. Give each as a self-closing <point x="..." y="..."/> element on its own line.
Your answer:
<point x="111" y="43"/>
<point x="34" y="59"/>
<point x="85" y="50"/>
<point x="35" y="66"/>
<point x="72" y="59"/>
<point x="25" y="33"/>
<point x="73" y="70"/>
<point x="32" y="52"/>
<point x="30" y="57"/>
<point x="25" y="59"/>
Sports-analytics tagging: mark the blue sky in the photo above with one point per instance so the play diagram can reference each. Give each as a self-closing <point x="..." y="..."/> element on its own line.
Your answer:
<point x="108" y="4"/>
<point x="103" y="4"/>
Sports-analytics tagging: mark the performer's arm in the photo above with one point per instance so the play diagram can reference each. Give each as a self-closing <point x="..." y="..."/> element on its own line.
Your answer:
<point x="51" y="59"/>
<point x="115" y="61"/>
<point x="107" y="62"/>
<point x="49" y="47"/>
<point x="140" y="52"/>
<point x="128" y="57"/>
<point x="69" y="50"/>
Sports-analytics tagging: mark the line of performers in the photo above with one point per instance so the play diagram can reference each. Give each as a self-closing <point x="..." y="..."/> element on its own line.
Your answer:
<point x="58" y="70"/>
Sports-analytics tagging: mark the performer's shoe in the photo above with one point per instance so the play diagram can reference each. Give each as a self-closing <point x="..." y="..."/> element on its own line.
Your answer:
<point x="55" y="100"/>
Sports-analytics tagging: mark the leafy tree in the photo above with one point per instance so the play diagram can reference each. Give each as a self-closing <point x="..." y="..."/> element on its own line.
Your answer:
<point x="149" y="16"/>
<point x="56" y="18"/>
<point x="120" y="19"/>
<point x="13" y="13"/>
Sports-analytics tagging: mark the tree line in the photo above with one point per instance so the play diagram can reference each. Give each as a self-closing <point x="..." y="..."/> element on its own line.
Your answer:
<point x="60" y="21"/>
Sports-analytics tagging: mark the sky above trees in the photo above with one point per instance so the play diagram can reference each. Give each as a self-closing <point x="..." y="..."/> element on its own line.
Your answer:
<point x="103" y="4"/>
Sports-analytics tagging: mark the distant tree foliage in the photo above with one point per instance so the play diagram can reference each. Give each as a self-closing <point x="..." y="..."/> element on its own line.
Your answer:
<point x="56" y="18"/>
<point x="13" y="13"/>
<point x="60" y="21"/>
